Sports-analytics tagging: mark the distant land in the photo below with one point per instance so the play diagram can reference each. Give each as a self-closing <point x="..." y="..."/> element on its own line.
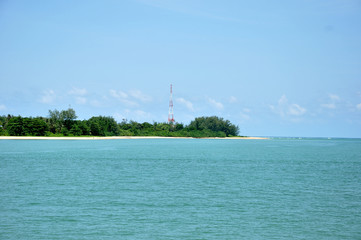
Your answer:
<point x="115" y="137"/>
<point x="64" y="124"/>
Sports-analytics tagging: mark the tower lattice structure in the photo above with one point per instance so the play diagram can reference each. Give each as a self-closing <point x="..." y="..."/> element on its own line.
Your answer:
<point x="170" y="113"/>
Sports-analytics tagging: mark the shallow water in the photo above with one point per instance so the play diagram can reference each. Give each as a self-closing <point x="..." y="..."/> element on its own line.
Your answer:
<point x="180" y="189"/>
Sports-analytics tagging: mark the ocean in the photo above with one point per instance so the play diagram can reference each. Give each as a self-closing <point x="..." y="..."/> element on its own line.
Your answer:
<point x="180" y="189"/>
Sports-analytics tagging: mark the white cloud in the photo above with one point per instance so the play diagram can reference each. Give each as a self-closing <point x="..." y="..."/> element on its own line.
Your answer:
<point x="215" y="104"/>
<point x="2" y="107"/>
<point x="141" y="114"/>
<point x="186" y="103"/>
<point x="79" y="94"/>
<point x="244" y="117"/>
<point x="296" y="110"/>
<point x="122" y="97"/>
<point x="130" y="98"/>
<point x="284" y="108"/>
<point x="95" y="103"/>
<point x="78" y="91"/>
<point x="48" y="97"/>
<point x="333" y="99"/>
<point x="137" y="94"/>
<point x="283" y="100"/>
<point x="118" y="94"/>
<point x="232" y="99"/>
<point x="358" y="106"/>
<point x="129" y="103"/>
<point x="80" y="100"/>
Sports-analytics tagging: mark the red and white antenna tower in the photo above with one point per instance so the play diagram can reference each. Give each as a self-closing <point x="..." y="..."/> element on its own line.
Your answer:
<point x="170" y="113"/>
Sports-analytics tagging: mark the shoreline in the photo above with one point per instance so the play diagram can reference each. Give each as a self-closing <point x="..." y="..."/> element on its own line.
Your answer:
<point x="119" y="137"/>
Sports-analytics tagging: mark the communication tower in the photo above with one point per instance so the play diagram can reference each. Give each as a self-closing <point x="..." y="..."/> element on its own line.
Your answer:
<point x="170" y="113"/>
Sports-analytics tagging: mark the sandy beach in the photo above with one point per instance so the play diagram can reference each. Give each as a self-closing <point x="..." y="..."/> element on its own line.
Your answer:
<point x="109" y="138"/>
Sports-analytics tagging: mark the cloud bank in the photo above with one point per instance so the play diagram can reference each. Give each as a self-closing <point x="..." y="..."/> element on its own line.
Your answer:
<point x="48" y="97"/>
<point x="286" y="109"/>
<point x="186" y="103"/>
<point x="215" y="104"/>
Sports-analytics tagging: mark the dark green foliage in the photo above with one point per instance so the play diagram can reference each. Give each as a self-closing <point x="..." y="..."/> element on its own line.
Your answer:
<point x="3" y="123"/>
<point x="95" y="128"/>
<point x="15" y="126"/>
<point x="178" y="126"/>
<point x="18" y="126"/>
<point x="68" y="117"/>
<point x="84" y="127"/>
<point x="65" y="132"/>
<point x="214" y="124"/>
<point x="64" y="124"/>
<point x="35" y="126"/>
<point x="76" y="130"/>
<point x="123" y="132"/>
<point x="103" y="126"/>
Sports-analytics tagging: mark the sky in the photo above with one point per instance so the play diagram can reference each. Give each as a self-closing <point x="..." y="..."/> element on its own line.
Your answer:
<point x="274" y="68"/>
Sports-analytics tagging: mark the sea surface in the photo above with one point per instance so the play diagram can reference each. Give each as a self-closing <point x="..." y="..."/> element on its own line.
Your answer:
<point x="180" y="189"/>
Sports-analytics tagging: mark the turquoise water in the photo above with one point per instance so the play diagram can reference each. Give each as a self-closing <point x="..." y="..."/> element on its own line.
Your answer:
<point x="180" y="189"/>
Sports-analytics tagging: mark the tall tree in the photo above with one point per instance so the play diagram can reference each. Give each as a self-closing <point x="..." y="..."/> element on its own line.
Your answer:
<point x="68" y="117"/>
<point x="59" y="120"/>
<point x="15" y="126"/>
<point x="68" y="114"/>
<point x="55" y="121"/>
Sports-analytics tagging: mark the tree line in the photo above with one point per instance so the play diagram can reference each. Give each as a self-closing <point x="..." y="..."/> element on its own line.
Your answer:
<point x="64" y="123"/>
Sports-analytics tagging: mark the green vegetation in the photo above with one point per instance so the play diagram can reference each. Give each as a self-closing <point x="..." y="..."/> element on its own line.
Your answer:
<point x="64" y="123"/>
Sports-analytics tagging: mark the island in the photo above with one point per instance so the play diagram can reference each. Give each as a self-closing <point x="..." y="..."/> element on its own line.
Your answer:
<point x="64" y="124"/>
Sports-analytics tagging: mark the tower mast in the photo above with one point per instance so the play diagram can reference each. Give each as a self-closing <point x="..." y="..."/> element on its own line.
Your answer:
<point x="170" y="113"/>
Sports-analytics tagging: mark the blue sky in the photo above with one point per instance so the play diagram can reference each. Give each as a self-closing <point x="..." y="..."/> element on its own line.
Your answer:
<point x="275" y="68"/>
